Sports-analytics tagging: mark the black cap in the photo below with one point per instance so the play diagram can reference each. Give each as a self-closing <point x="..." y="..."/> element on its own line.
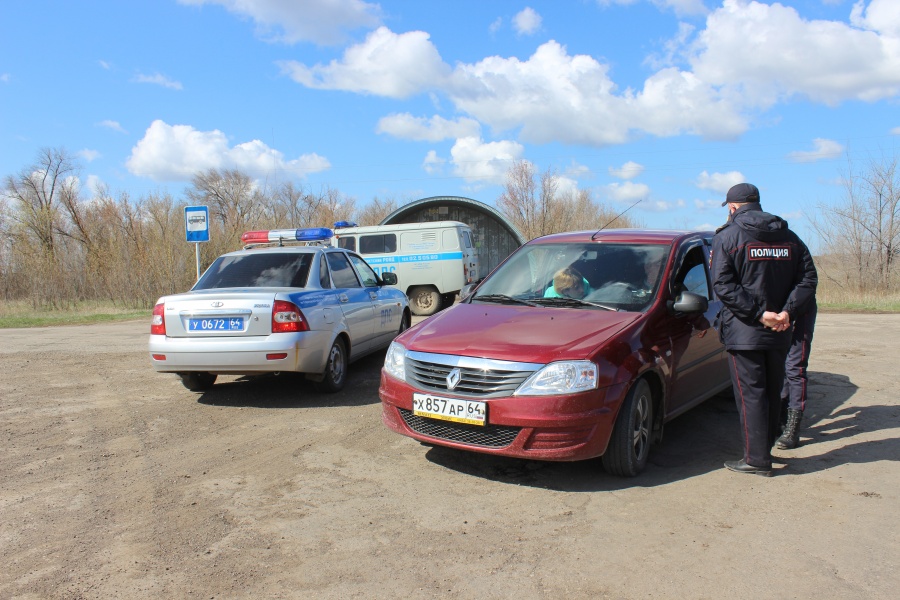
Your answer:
<point x="742" y="192"/>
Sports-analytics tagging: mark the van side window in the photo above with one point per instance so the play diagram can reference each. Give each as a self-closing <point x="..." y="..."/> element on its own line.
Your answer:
<point x="378" y="244"/>
<point x="341" y="271"/>
<point x="450" y="239"/>
<point x="467" y="238"/>
<point x="348" y="243"/>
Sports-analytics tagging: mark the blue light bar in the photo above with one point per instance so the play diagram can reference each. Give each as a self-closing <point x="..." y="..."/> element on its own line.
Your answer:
<point x="340" y="224"/>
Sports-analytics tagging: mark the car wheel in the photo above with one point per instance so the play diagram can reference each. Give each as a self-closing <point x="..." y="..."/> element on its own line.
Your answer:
<point x="198" y="382"/>
<point x="404" y="322"/>
<point x="335" y="374"/>
<point x="629" y="446"/>
<point x="424" y="301"/>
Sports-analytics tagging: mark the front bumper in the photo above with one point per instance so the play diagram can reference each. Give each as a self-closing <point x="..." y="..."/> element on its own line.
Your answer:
<point x="557" y="428"/>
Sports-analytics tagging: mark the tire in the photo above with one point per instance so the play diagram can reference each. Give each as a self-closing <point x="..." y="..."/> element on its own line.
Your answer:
<point x="405" y="322"/>
<point x="335" y="375"/>
<point x="424" y="301"/>
<point x="447" y="300"/>
<point x="198" y="381"/>
<point x="629" y="446"/>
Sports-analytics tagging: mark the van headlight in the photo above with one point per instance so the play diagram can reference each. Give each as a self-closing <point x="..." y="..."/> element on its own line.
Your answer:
<point x="564" y="377"/>
<point x="395" y="361"/>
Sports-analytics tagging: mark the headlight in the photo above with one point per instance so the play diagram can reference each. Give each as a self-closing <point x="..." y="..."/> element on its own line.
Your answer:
<point x="564" y="377"/>
<point x="395" y="361"/>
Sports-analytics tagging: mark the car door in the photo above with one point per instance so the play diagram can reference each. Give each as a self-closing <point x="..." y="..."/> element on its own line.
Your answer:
<point x="356" y="302"/>
<point x="387" y="311"/>
<point x="698" y="357"/>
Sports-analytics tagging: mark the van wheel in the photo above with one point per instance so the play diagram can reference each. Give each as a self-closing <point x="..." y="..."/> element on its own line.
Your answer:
<point x="629" y="446"/>
<point x="424" y="301"/>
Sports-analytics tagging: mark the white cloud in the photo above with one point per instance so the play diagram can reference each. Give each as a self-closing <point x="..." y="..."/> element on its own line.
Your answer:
<point x="760" y="54"/>
<point x="433" y="164"/>
<point x="484" y="163"/>
<point x="4" y="78"/>
<point x="94" y="184"/>
<point x="527" y="21"/>
<point x="629" y="170"/>
<point x="105" y="65"/>
<point x="496" y="25"/>
<point x="406" y="126"/>
<point x="719" y="182"/>
<point x="114" y="125"/>
<point x="292" y="21"/>
<point x="158" y="79"/>
<point x="178" y="152"/>
<point x="704" y="205"/>
<point x="627" y="191"/>
<point x="882" y="16"/>
<point x="822" y="150"/>
<point x="895" y="131"/>
<point x="385" y="64"/>
<point x="89" y="155"/>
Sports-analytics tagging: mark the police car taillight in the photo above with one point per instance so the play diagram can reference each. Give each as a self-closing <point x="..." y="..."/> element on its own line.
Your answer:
<point x="309" y="234"/>
<point x="158" y="322"/>
<point x="286" y="317"/>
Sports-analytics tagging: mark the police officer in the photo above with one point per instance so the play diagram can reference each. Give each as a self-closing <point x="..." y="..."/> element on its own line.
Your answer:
<point x="793" y="394"/>
<point x="763" y="274"/>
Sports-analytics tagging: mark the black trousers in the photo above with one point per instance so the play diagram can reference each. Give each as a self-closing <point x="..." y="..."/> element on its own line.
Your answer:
<point x="793" y="394"/>
<point x="757" y="377"/>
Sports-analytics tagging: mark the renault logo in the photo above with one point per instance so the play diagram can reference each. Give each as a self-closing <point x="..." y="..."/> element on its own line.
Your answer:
<point x="453" y="378"/>
<point x="216" y="304"/>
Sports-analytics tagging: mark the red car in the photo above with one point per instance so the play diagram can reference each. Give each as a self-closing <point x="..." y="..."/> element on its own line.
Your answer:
<point x="578" y="345"/>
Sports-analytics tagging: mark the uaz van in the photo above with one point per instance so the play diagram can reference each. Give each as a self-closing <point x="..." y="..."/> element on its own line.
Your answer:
<point x="432" y="261"/>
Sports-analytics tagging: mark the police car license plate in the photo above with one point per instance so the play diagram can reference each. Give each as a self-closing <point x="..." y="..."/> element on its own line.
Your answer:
<point x="450" y="409"/>
<point x="230" y="324"/>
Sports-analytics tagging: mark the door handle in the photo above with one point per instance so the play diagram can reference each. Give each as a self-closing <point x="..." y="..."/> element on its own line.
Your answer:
<point x="343" y="298"/>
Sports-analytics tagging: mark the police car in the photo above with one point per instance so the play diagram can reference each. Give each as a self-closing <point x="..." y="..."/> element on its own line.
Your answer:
<point x="286" y="302"/>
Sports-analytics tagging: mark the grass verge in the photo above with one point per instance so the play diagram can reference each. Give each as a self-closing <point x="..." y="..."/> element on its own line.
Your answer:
<point x="22" y="314"/>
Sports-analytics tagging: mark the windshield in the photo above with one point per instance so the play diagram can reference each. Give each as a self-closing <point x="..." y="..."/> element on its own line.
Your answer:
<point x="281" y="269"/>
<point x="588" y="275"/>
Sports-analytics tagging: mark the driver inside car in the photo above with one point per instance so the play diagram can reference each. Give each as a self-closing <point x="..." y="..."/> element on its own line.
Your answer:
<point x="568" y="283"/>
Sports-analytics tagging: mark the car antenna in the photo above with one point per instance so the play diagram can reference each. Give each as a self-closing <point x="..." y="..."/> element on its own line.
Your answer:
<point x="613" y="220"/>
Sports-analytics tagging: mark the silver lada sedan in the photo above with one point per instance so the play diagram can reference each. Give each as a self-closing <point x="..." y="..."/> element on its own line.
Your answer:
<point x="277" y="307"/>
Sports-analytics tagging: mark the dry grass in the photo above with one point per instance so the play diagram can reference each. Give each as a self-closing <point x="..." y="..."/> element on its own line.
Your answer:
<point x="22" y="314"/>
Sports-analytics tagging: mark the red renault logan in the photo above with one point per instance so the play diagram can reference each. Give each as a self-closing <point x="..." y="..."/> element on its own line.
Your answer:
<point x="578" y="345"/>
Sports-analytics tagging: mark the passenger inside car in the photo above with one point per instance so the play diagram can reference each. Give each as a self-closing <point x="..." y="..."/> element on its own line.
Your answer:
<point x="568" y="283"/>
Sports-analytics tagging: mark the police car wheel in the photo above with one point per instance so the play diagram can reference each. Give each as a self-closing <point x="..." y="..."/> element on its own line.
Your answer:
<point x="198" y="382"/>
<point x="424" y="301"/>
<point x="335" y="374"/>
<point x="629" y="445"/>
<point x="405" y="321"/>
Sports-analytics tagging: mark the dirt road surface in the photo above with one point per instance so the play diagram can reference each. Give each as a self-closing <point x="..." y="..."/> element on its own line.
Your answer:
<point x="116" y="482"/>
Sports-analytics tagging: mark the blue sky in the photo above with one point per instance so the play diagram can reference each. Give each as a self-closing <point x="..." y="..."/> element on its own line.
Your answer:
<point x="664" y="101"/>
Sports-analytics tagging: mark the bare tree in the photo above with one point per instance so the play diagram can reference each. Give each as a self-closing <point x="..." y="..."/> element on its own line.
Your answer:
<point x="232" y="196"/>
<point x="864" y="228"/>
<point x="376" y="211"/>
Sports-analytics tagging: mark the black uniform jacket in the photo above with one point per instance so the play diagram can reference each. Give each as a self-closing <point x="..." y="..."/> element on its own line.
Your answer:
<point x="758" y="264"/>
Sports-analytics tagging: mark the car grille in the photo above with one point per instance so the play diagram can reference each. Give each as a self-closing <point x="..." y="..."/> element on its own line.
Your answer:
<point x="479" y="377"/>
<point x="491" y="436"/>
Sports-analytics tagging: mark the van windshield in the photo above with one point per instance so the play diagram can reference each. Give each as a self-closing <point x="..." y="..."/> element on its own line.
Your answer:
<point x="589" y="275"/>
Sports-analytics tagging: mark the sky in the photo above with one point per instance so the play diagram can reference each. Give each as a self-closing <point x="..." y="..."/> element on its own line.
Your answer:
<point x="656" y="106"/>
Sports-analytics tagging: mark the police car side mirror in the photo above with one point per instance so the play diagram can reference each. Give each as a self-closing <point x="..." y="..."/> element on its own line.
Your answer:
<point x="690" y="303"/>
<point x="389" y="278"/>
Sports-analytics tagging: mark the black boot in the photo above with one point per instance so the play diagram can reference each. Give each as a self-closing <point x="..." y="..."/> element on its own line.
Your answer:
<point x="791" y="437"/>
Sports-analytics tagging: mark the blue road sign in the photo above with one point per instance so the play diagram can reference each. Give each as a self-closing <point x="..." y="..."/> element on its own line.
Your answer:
<point x="196" y="223"/>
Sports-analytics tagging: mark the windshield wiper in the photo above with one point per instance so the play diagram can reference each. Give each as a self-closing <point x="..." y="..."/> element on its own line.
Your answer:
<point x="503" y="299"/>
<point x="572" y="302"/>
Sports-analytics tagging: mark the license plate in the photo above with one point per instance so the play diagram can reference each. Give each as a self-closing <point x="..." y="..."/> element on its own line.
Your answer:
<point x="231" y="324"/>
<point x="450" y="409"/>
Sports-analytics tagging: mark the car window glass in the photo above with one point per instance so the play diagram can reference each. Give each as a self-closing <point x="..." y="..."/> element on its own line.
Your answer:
<point x="341" y="271"/>
<point x="265" y="269"/>
<point x="692" y="275"/>
<point x="365" y="271"/>
<point x="348" y="243"/>
<point x="324" y="277"/>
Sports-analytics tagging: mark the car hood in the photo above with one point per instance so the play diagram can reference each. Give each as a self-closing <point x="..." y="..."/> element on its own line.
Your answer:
<point x="516" y="333"/>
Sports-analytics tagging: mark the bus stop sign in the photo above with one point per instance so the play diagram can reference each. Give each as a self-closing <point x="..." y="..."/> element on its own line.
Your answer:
<point x="196" y="223"/>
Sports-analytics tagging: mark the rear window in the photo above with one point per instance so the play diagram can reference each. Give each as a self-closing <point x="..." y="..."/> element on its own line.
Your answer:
<point x="257" y="270"/>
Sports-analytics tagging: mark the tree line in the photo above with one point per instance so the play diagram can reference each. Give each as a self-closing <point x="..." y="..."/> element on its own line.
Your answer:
<point x="61" y="244"/>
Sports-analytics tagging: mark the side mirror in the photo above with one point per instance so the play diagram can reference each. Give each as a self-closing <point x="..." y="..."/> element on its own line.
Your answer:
<point x="690" y="303"/>
<point x="388" y="278"/>
<point x="466" y="291"/>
